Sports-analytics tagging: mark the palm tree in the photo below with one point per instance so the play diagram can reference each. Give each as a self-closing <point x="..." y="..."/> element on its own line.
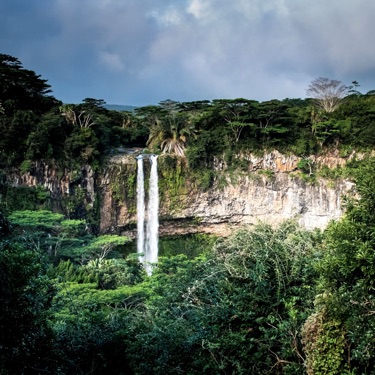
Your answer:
<point x="171" y="134"/>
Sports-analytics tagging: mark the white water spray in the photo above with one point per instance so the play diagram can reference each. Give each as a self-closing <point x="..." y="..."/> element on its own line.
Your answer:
<point x="153" y="215"/>
<point x="149" y="245"/>
<point x="140" y="209"/>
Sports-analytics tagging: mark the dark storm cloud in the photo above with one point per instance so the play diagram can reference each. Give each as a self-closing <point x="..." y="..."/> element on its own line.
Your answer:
<point x="145" y="51"/>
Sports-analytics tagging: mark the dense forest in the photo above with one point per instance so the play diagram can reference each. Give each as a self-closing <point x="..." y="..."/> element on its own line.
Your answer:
<point x="264" y="300"/>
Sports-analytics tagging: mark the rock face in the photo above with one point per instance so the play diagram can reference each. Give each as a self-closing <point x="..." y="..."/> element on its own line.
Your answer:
<point x="59" y="183"/>
<point x="268" y="191"/>
<point x="269" y="199"/>
<point x="273" y="196"/>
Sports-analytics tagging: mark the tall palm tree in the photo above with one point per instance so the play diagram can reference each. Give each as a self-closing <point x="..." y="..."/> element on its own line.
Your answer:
<point x="171" y="134"/>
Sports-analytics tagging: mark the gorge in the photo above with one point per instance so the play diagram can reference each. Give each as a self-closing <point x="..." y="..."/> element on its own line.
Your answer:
<point x="271" y="189"/>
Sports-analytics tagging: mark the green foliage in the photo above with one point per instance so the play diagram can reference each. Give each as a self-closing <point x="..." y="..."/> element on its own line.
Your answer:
<point x="26" y="296"/>
<point x="268" y="173"/>
<point x="87" y="320"/>
<point x="89" y="327"/>
<point x="347" y="171"/>
<point x="325" y="345"/>
<point x="74" y="204"/>
<point x="5" y="226"/>
<point x="34" y="125"/>
<point x="59" y="238"/>
<point x="204" y="179"/>
<point x="100" y="247"/>
<point x="171" y="133"/>
<point x="46" y="141"/>
<point x="173" y="182"/>
<point x="105" y="273"/>
<point x="24" y="98"/>
<point x="347" y="282"/>
<point x="92" y="311"/>
<point x="189" y="245"/>
<point x="93" y="343"/>
<point x="306" y="166"/>
<point x="73" y="227"/>
<point x="237" y="310"/>
<point x="41" y="218"/>
<point x="123" y="184"/>
<point x="330" y="130"/>
<point x="25" y="166"/>
<point x="24" y="198"/>
<point x="86" y="248"/>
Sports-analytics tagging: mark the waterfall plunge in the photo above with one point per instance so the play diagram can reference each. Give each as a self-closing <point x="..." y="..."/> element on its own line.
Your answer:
<point x="140" y="209"/>
<point x="148" y="246"/>
<point x="153" y="215"/>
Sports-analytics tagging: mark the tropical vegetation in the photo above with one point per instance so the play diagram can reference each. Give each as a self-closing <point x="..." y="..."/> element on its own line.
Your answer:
<point x="265" y="300"/>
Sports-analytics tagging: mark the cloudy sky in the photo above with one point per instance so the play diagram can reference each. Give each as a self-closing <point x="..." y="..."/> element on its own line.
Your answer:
<point x="140" y="52"/>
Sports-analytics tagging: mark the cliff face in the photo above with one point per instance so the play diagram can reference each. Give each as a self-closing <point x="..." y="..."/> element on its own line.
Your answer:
<point x="251" y="196"/>
<point x="269" y="199"/>
<point x="270" y="191"/>
<point x="60" y="184"/>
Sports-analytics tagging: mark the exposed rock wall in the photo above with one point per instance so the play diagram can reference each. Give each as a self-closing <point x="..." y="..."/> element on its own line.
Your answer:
<point x="117" y="206"/>
<point x="253" y="199"/>
<point x="278" y="162"/>
<point x="60" y="183"/>
<point x="272" y="197"/>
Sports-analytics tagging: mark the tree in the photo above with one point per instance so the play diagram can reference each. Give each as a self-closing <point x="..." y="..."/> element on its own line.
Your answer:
<point x="14" y="132"/>
<point x="178" y="131"/>
<point x="359" y="110"/>
<point x="47" y="139"/>
<point x="327" y="93"/>
<point x="235" y="112"/>
<point x="24" y="97"/>
<point x="170" y="129"/>
<point x="101" y="246"/>
<point x="25" y="298"/>
<point x="339" y="336"/>
<point x="22" y="89"/>
<point x="77" y="118"/>
<point x="48" y="232"/>
<point x="274" y="122"/>
<point x="235" y="310"/>
<point x="329" y="130"/>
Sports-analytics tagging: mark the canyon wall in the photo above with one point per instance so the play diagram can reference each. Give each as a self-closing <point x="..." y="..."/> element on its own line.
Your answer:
<point x="269" y="199"/>
<point x="270" y="189"/>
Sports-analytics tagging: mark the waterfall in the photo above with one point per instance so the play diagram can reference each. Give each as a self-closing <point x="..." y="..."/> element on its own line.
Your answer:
<point x="152" y="215"/>
<point x="140" y="209"/>
<point x="149" y="245"/>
